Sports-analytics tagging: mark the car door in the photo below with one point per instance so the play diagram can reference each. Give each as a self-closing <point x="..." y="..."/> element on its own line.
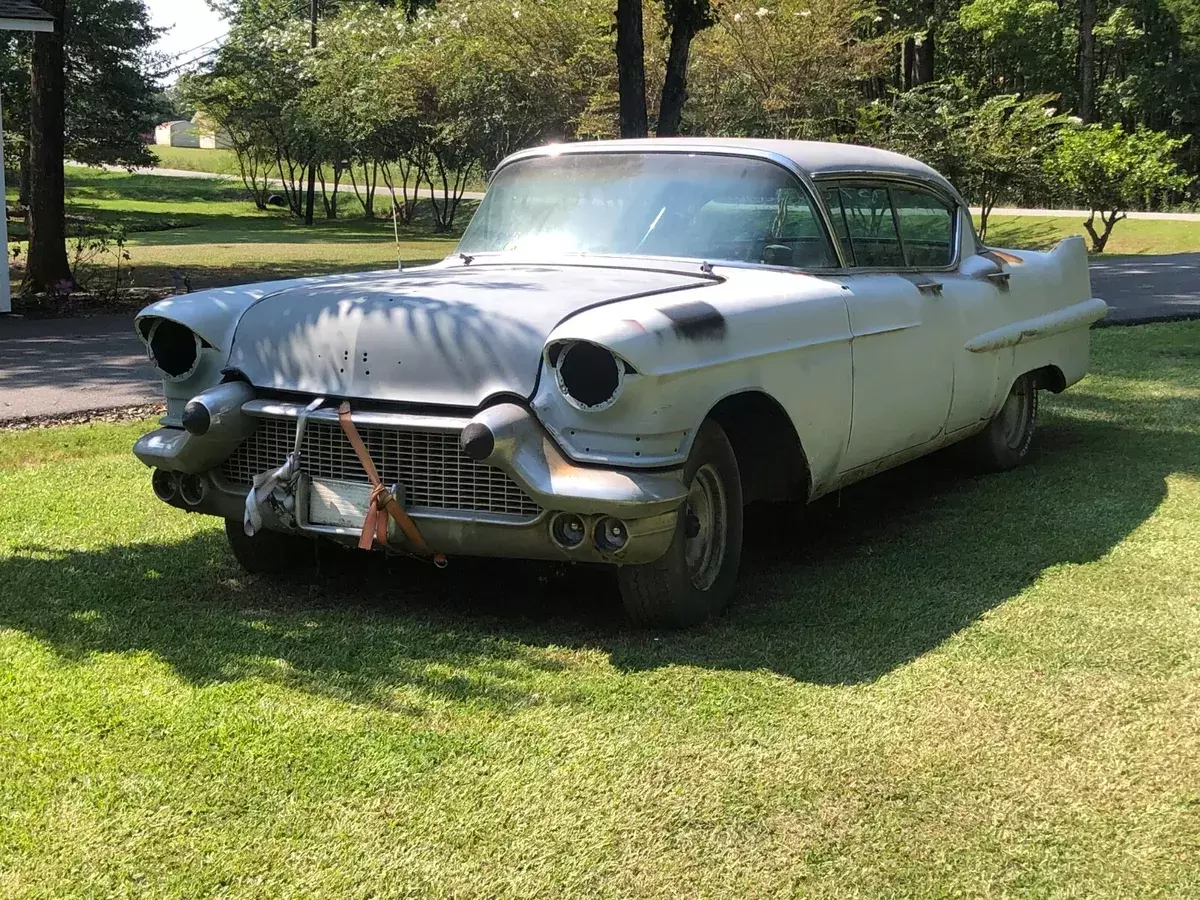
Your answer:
<point x="901" y="331"/>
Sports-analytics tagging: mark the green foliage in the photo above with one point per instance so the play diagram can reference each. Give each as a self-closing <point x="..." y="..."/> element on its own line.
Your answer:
<point x="990" y="149"/>
<point x="788" y="69"/>
<point x="111" y="100"/>
<point x="1111" y="171"/>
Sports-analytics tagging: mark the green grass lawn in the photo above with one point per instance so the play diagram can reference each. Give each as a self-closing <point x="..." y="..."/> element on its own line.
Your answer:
<point x="209" y="231"/>
<point x="939" y="686"/>
<point x="1133" y="236"/>
<point x="224" y="162"/>
<point x="187" y="159"/>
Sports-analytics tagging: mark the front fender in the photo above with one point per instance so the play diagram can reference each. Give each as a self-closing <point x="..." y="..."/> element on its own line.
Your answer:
<point x="781" y="333"/>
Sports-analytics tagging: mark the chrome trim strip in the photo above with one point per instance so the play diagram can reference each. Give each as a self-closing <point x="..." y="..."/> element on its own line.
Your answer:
<point x="274" y="409"/>
<point x="1078" y="315"/>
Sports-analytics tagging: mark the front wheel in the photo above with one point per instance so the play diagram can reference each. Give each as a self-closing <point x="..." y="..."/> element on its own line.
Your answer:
<point x="1004" y="444"/>
<point x="696" y="577"/>
<point x="270" y="552"/>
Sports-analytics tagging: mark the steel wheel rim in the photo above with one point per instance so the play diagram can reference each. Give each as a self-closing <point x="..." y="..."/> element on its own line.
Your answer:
<point x="1015" y="415"/>
<point x="707" y="517"/>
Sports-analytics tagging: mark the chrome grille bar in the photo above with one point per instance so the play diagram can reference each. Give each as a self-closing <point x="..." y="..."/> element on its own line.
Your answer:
<point x="431" y="466"/>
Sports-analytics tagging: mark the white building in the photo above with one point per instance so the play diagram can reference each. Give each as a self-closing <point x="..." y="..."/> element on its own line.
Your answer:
<point x="179" y="133"/>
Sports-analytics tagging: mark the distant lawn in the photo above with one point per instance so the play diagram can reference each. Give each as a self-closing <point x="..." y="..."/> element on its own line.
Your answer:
<point x="1133" y="236"/>
<point x="224" y="162"/>
<point x="208" y="231"/>
<point x="217" y="162"/>
<point x="937" y="686"/>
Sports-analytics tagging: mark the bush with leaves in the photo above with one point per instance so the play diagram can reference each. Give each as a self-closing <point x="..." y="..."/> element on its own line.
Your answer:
<point x="788" y="69"/>
<point x="993" y="149"/>
<point x="1111" y="171"/>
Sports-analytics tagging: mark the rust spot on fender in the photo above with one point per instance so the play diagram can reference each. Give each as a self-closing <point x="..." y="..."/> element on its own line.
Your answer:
<point x="999" y="257"/>
<point x="696" y="321"/>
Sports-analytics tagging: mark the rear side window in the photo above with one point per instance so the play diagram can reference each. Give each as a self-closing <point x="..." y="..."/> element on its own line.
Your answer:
<point x="870" y="225"/>
<point x="926" y="228"/>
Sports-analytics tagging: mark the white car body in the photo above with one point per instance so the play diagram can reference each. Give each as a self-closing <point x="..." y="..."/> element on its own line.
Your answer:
<point x="821" y="375"/>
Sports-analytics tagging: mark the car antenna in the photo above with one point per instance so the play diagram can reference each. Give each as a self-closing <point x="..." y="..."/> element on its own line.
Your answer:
<point x="396" y="231"/>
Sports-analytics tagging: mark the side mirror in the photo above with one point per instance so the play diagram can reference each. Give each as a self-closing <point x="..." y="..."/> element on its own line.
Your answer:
<point x="778" y="255"/>
<point x="985" y="267"/>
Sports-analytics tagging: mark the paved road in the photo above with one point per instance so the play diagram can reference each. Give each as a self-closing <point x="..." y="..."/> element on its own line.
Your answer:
<point x="73" y="365"/>
<point x="1145" y="288"/>
<point x="57" y="366"/>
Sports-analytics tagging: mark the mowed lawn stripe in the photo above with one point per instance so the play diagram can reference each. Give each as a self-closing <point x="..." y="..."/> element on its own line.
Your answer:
<point x="937" y="684"/>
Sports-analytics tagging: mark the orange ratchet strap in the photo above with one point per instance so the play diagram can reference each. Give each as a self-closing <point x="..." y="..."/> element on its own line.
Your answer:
<point x="383" y="503"/>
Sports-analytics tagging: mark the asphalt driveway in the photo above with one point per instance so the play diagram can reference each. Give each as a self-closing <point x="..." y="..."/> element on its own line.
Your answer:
<point x="58" y="366"/>
<point x="62" y="366"/>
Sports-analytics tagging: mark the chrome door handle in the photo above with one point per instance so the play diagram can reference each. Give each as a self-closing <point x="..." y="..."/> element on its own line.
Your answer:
<point x="930" y="287"/>
<point x="1000" y="279"/>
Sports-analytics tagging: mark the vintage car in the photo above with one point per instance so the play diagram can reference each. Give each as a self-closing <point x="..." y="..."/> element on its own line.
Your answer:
<point x="633" y="340"/>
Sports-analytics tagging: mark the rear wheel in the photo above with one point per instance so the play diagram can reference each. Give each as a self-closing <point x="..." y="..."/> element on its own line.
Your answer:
<point x="696" y="577"/>
<point x="1005" y="442"/>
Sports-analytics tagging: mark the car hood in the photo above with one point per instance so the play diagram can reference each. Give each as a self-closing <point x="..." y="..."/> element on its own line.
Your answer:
<point x="450" y="336"/>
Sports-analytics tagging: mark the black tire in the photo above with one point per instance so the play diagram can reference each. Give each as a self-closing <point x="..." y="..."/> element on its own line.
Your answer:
<point x="271" y="552"/>
<point x="1004" y="444"/>
<point x="689" y="584"/>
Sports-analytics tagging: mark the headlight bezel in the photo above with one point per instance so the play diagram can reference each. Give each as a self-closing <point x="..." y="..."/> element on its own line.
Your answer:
<point x="197" y="351"/>
<point x="593" y="379"/>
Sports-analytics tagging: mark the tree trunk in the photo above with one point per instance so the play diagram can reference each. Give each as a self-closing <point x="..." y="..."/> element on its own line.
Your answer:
<point x="674" y="92"/>
<point x="925" y="68"/>
<point x="47" y="265"/>
<point x="908" y="63"/>
<point x="1087" y="60"/>
<point x="26" y="175"/>
<point x="631" y="69"/>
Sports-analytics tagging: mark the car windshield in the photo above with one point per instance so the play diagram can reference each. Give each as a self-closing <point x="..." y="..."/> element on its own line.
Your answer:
<point x="702" y="206"/>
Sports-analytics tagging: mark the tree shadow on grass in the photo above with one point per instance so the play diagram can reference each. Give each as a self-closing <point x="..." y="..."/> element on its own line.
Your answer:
<point x="862" y="584"/>
<point x="1025" y="233"/>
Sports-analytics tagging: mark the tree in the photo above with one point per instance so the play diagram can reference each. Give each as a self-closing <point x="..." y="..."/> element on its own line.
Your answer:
<point x="1111" y="170"/>
<point x="794" y="69"/>
<point x="1006" y="143"/>
<point x="685" y="19"/>
<point x="631" y="69"/>
<point x="46" y="266"/>
<point x="90" y="99"/>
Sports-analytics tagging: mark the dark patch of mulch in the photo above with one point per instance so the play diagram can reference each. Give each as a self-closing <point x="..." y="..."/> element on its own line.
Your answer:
<point x="111" y="416"/>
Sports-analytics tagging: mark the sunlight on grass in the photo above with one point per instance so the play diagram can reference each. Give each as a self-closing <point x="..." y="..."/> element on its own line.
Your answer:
<point x="208" y="231"/>
<point x="1133" y="236"/>
<point x="939" y="685"/>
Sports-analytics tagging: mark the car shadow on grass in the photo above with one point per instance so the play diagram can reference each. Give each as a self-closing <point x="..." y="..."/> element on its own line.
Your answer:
<point x="860" y="584"/>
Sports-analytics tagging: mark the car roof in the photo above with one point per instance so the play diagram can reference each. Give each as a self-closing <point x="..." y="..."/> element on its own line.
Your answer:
<point x="815" y="159"/>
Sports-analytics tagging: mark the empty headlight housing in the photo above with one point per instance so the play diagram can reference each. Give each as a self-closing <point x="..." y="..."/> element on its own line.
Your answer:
<point x="174" y="349"/>
<point x="588" y="376"/>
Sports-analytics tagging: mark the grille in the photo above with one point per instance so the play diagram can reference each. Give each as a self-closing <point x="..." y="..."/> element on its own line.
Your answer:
<point x="436" y="474"/>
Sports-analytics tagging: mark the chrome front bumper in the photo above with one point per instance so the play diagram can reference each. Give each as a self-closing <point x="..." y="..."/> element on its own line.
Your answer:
<point x="505" y="436"/>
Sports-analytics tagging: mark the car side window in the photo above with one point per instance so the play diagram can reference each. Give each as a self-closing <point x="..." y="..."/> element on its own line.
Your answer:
<point x="837" y="216"/>
<point x="780" y="229"/>
<point x="871" y="226"/>
<point x="926" y="228"/>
